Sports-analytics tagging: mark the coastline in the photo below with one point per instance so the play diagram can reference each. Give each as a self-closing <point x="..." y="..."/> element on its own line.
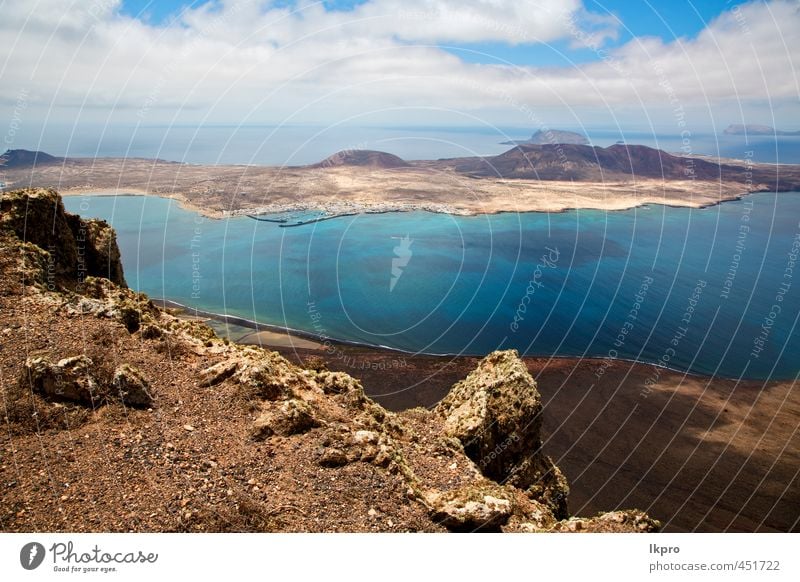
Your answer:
<point x="381" y="208"/>
<point x="182" y="201"/>
<point x="283" y="337"/>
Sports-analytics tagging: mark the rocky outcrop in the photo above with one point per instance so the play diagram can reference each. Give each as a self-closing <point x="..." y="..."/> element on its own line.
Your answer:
<point x="132" y="387"/>
<point x="104" y="299"/>
<point x="77" y="379"/>
<point x="76" y="248"/>
<point x="496" y="414"/>
<point x="623" y="521"/>
<point x="471" y="508"/>
<point x="69" y="379"/>
<point x="290" y="417"/>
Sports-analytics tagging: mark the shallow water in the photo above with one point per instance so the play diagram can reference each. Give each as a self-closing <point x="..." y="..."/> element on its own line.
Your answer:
<point x="690" y="289"/>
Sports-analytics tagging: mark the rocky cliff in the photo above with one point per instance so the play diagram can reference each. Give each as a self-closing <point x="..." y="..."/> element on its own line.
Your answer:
<point x="76" y="248"/>
<point x="124" y="417"/>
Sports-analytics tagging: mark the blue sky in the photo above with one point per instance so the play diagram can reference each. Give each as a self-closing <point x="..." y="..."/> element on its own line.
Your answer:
<point x="666" y="19"/>
<point x="504" y="63"/>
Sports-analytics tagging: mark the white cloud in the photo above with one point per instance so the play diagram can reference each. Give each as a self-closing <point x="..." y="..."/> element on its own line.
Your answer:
<point x="246" y="60"/>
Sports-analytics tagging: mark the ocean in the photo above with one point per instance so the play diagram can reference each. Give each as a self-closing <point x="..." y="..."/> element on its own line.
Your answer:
<point x="709" y="291"/>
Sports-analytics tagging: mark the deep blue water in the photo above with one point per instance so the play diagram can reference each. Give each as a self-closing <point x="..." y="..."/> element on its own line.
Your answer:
<point x="647" y="284"/>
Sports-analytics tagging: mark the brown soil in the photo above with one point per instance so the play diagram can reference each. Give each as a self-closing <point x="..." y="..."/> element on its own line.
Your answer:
<point x="700" y="454"/>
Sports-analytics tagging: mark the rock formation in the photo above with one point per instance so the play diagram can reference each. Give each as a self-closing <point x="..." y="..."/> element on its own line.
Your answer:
<point x="77" y="248"/>
<point x="153" y="423"/>
<point x="496" y="414"/>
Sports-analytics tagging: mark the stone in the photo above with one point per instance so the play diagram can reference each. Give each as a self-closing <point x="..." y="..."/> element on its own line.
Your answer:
<point x="333" y="457"/>
<point x="337" y="382"/>
<point x="365" y="437"/>
<point x="285" y="419"/>
<point x="132" y="387"/>
<point x="495" y="412"/>
<point x="218" y="373"/>
<point x="471" y="508"/>
<point x="69" y="379"/>
<point x="261" y="377"/>
<point x="619" y="521"/>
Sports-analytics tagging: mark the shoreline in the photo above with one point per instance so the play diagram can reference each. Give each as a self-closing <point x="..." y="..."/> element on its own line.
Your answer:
<point x="324" y="343"/>
<point x="181" y="199"/>
<point x="367" y="209"/>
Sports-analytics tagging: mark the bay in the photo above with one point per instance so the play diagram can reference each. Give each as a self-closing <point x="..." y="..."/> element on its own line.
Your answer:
<point x="709" y="291"/>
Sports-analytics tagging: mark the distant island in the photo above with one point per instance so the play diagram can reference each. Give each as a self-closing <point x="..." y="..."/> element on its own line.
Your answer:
<point x="551" y="136"/>
<point x="753" y="129"/>
<point x="525" y="178"/>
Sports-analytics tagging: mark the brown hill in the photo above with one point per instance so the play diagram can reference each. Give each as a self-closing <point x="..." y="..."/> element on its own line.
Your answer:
<point x="583" y="163"/>
<point x="362" y="158"/>
<point x="26" y="158"/>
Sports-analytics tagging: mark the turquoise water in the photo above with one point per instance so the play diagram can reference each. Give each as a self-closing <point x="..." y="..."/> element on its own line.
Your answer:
<point x="709" y="291"/>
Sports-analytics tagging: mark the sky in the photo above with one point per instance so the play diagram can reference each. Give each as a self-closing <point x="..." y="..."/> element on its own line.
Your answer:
<point x="672" y="66"/>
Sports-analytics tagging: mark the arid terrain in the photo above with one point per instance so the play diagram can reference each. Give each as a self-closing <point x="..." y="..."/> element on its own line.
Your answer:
<point x="702" y="454"/>
<point x="548" y="178"/>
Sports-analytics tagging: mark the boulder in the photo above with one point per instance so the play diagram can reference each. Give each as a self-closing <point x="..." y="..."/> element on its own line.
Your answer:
<point x="333" y="457"/>
<point x="218" y="373"/>
<point x="69" y="379"/>
<point x="285" y="419"/>
<point x="496" y="414"/>
<point x="473" y="507"/>
<point x="132" y="387"/>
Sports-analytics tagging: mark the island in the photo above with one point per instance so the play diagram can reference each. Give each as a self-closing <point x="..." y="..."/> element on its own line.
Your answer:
<point x="526" y="178"/>
<point x="550" y="136"/>
<point x="753" y="129"/>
